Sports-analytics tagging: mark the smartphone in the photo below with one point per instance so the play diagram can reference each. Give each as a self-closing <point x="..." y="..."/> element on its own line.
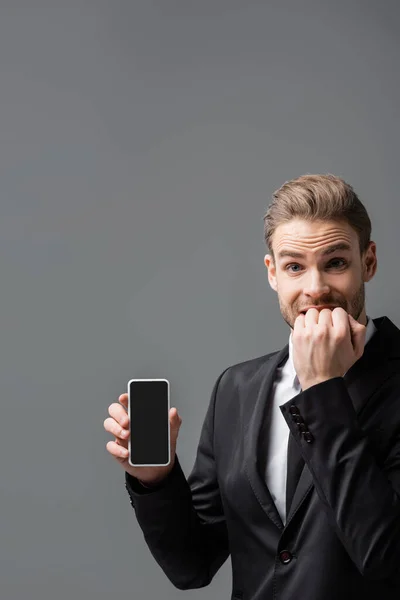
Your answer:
<point x="148" y="410"/>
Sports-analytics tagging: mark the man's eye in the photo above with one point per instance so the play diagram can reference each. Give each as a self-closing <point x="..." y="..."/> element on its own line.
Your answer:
<point x="330" y="264"/>
<point x="287" y="268"/>
<point x="341" y="260"/>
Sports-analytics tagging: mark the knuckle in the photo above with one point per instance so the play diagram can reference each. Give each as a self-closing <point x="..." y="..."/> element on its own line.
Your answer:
<point x="118" y="431"/>
<point x="118" y="413"/>
<point x="111" y="409"/>
<point x="340" y="333"/>
<point x="114" y="450"/>
<point x="321" y="331"/>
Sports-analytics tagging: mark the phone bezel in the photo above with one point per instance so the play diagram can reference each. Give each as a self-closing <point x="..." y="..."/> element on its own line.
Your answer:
<point x="129" y="415"/>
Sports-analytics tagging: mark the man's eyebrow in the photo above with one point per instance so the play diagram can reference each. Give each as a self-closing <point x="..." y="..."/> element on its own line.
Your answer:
<point x="328" y="250"/>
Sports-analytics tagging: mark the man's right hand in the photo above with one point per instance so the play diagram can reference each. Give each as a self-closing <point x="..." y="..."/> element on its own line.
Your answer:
<point x="118" y="425"/>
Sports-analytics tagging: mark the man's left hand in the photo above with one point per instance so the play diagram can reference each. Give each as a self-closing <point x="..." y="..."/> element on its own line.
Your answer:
<point x="325" y="345"/>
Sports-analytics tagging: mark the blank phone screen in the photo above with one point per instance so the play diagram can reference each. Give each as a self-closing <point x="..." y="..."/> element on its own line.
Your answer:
<point x="149" y="422"/>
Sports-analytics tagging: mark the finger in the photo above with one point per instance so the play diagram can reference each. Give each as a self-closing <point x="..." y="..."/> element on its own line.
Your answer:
<point x="344" y="315"/>
<point x="118" y="412"/>
<point x="115" y="428"/>
<point x="117" y="451"/>
<point x="325" y="317"/>
<point x="299" y="323"/>
<point x="341" y="316"/>
<point x="358" y="333"/>
<point x="124" y="400"/>
<point x="173" y="413"/>
<point x="123" y="443"/>
<point x="311" y="317"/>
<point x="175" y="421"/>
<point x="355" y="325"/>
<point x="340" y="320"/>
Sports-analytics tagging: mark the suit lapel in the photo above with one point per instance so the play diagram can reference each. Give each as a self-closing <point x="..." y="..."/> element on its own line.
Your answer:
<point x="254" y="417"/>
<point x="362" y="380"/>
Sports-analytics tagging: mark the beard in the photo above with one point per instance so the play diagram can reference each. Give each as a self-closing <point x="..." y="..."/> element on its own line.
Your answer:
<point x="354" y="306"/>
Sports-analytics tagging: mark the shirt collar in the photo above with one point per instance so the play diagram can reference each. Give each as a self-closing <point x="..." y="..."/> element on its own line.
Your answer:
<point x="290" y="367"/>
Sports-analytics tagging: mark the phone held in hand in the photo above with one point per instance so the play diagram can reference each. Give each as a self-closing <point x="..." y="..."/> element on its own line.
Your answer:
<point x="148" y="410"/>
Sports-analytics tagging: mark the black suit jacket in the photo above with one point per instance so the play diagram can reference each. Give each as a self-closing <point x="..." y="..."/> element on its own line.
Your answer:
<point x="341" y="539"/>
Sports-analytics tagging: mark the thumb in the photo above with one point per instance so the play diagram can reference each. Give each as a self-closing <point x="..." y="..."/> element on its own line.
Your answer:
<point x="357" y="332"/>
<point x="175" y="421"/>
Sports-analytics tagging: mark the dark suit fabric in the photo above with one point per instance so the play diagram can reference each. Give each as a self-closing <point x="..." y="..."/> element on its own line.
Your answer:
<point x="342" y="532"/>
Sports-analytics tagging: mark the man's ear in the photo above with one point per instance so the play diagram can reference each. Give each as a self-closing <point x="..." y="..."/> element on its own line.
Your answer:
<point x="269" y="263"/>
<point x="369" y="262"/>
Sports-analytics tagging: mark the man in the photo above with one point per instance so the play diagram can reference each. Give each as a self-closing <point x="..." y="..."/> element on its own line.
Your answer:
<point x="297" y="473"/>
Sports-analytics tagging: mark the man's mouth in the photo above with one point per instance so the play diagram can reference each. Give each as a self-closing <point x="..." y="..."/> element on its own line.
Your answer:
<point x="319" y="308"/>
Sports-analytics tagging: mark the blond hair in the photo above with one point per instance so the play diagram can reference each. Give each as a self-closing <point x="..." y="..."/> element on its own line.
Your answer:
<point x="317" y="197"/>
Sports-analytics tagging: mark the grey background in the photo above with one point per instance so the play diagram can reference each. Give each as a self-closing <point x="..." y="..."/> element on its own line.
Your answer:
<point x="140" y="144"/>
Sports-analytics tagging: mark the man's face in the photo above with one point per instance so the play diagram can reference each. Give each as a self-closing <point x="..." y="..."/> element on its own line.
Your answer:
<point x="304" y="277"/>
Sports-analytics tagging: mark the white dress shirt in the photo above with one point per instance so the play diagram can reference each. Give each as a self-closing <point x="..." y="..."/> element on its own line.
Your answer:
<point x="286" y="385"/>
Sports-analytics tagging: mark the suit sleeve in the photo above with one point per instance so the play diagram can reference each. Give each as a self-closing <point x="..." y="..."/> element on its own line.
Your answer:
<point x="182" y="520"/>
<point x="359" y="492"/>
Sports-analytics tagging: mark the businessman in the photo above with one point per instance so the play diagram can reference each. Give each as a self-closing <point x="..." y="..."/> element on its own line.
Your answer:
<point x="297" y="472"/>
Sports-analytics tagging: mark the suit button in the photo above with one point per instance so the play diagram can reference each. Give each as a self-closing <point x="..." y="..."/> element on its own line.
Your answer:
<point x="308" y="436"/>
<point x="298" y="419"/>
<point x="302" y="427"/>
<point x="285" y="556"/>
<point x="294" y="410"/>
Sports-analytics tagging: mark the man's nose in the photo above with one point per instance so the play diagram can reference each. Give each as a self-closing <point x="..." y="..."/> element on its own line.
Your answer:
<point x="315" y="286"/>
